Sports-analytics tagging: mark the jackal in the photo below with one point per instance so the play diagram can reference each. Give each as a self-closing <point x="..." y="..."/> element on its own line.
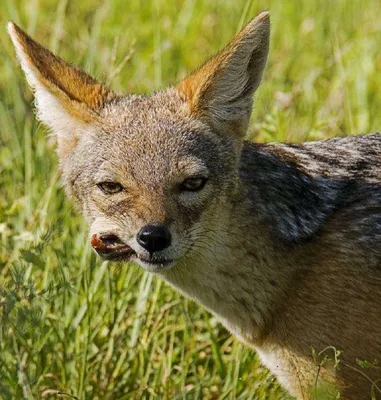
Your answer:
<point x="282" y="242"/>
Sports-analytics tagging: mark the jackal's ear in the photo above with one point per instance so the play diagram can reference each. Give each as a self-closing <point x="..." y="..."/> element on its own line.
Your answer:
<point x="67" y="98"/>
<point x="221" y="91"/>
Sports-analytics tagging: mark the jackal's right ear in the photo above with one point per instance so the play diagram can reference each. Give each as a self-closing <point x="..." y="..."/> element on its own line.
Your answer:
<point x="221" y="91"/>
<point x="67" y="99"/>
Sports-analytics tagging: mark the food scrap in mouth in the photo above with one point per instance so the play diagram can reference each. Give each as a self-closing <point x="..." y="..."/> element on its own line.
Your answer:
<point x="110" y="247"/>
<point x="96" y="242"/>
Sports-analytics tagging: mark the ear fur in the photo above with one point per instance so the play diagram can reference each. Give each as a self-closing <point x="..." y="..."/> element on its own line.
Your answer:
<point x="220" y="92"/>
<point x="67" y="98"/>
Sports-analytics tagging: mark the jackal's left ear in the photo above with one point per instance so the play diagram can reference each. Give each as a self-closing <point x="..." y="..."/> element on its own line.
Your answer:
<point x="221" y="91"/>
<point x="67" y="99"/>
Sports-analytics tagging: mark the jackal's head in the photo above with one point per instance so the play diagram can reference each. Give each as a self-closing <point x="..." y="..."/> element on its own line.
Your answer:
<point x="152" y="175"/>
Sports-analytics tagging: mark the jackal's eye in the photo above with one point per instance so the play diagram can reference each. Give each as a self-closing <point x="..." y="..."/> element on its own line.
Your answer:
<point x="110" y="187"/>
<point x="193" y="184"/>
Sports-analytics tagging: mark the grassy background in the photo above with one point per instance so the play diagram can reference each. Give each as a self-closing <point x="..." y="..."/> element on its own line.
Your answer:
<point x="69" y="323"/>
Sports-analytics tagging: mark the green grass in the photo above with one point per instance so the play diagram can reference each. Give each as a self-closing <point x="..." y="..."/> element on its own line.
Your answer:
<point x="69" y="323"/>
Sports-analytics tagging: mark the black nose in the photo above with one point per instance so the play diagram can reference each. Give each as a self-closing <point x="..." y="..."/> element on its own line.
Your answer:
<point x="154" y="237"/>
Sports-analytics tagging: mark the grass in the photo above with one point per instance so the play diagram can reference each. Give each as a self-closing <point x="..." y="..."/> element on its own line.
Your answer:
<point x="72" y="325"/>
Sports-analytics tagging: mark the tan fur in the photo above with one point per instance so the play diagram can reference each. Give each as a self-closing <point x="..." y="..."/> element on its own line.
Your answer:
<point x="68" y="83"/>
<point x="283" y="242"/>
<point x="205" y="89"/>
<point x="78" y="94"/>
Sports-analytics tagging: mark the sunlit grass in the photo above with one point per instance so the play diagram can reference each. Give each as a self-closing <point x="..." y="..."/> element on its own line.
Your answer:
<point x="71" y="324"/>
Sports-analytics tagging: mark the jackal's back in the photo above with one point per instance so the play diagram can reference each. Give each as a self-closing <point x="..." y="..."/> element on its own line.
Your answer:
<point x="296" y="188"/>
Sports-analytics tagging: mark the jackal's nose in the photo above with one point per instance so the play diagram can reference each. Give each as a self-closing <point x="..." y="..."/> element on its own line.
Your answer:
<point x="154" y="237"/>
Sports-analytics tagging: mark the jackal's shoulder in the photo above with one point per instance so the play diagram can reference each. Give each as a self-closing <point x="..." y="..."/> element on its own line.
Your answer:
<point x="298" y="187"/>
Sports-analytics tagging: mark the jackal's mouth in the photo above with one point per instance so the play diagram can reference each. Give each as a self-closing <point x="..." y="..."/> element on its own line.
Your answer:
<point x="154" y="262"/>
<point x="110" y="247"/>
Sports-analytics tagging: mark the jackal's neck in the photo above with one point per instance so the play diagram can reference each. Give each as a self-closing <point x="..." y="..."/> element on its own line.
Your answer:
<point x="246" y="263"/>
<point x="233" y="274"/>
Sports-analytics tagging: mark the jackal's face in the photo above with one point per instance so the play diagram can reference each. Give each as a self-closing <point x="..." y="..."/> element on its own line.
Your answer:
<point x="153" y="175"/>
<point x="148" y="178"/>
